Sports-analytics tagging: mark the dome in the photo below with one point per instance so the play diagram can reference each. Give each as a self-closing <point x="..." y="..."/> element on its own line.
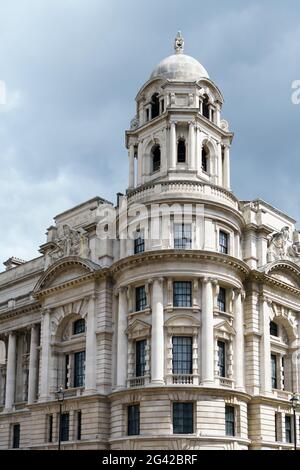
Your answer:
<point x="180" y="67"/>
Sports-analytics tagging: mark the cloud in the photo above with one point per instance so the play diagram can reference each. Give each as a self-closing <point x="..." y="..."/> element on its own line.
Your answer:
<point x="73" y="69"/>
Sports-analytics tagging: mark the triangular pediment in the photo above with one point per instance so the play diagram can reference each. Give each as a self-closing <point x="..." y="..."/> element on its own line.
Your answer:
<point x="225" y="328"/>
<point x="137" y="329"/>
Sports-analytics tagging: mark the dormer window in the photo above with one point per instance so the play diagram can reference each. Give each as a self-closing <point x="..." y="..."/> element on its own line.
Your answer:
<point x="154" y="106"/>
<point x="181" y="151"/>
<point x="155" y="152"/>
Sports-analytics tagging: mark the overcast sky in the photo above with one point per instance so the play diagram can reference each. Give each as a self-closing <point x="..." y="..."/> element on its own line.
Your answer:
<point x="72" y="69"/>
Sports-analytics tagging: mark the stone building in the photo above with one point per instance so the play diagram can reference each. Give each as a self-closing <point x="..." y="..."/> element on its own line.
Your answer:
<point x="182" y="335"/>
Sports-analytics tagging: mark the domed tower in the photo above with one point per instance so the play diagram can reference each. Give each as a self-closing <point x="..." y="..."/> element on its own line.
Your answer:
<point x="179" y="363"/>
<point x="177" y="133"/>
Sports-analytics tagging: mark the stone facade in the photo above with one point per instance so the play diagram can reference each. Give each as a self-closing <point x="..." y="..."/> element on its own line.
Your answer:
<point x="224" y="281"/>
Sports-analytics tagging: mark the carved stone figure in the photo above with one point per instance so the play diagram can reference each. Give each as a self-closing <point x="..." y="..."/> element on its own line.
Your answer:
<point x="281" y="247"/>
<point x="70" y="243"/>
<point x="179" y="43"/>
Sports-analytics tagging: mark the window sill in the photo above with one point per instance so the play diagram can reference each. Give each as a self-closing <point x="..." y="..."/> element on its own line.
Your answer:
<point x="146" y="311"/>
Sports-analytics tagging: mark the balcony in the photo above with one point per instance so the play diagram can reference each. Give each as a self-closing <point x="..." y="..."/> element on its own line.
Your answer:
<point x="183" y="379"/>
<point x="184" y="189"/>
<point x="138" y="381"/>
<point x="225" y="382"/>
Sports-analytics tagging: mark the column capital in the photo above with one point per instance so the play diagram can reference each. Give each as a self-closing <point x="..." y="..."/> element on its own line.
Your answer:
<point x="46" y="311"/>
<point x="159" y="279"/>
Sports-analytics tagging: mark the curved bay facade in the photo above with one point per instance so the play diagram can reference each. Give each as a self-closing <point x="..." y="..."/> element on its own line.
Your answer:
<point x="177" y="330"/>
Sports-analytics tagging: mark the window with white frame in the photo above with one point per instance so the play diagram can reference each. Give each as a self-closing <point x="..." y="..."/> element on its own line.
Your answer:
<point x="182" y="236"/>
<point x="223" y="242"/>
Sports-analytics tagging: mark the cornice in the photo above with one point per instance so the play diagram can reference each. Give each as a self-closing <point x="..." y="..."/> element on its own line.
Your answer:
<point x="20" y="310"/>
<point x="264" y="278"/>
<point x="163" y="255"/>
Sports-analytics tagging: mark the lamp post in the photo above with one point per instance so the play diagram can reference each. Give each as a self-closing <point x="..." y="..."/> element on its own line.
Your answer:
<point x="60" y="397"/>
<point x="294" y="401"/>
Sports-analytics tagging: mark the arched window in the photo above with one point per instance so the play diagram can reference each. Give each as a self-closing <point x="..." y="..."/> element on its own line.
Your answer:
<point x="205" y="107"/>
<point x="181" y="151"/>
<point x="204" y="160"/>
<point x="155" y="152"/>
<point x="281" y="359"/>
<point x="154" y="105"/>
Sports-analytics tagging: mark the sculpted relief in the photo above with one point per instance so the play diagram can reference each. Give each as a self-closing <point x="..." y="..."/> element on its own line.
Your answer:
<point x="280" y="246"/>
<point x="68" y="242"/>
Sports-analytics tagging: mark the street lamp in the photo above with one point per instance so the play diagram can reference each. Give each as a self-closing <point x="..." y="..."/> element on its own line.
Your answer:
<point x="294" y="401"/>
<point x="60" y="394"/>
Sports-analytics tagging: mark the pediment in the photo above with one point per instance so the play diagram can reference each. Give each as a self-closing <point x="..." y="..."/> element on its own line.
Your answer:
<point x="137" y="329"/>
<point x="182" y="321"/>
<point x="287" y="272"/>
<point x="225" y="328"/>
<point x="68" y="269"/>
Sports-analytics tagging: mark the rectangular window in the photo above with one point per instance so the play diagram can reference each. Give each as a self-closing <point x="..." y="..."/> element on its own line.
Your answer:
<point x="222" y="358"/>
<point x="133" y="420"/>
<point x="222" y="299"/>
<point x="64" y="427"/>
<point x="79" y="326"/>
<point x="147" y="114"/>
<point x="162" y="106"/>
<point x="79" y="369"/>
<point x="49" y="428"/>
<point x="273" y="328"/>
<point x="274" y="370"/>
<point x="183" y="419"/>
<point x="223" y="242"/>
<point x="139" y="242"/>
<point x="182" y="354"/>
<point x="182" y="294"/>
<point x="230" y="420"/>
<point x="16" y="436"/>
<point x="140" y="358"/>
<point x="182" y="236"/>
<point x="141" y="298"/>
<point x="282" y="373"/>
<point x="288" y="429"/>
<point x="78" y="426"/>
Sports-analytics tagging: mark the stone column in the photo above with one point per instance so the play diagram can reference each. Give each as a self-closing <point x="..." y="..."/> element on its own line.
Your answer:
<point x="173" y="145"/>
<point x="140" y="165"/>
<point x="122" y="339"/>
<point x="11" y="371"/>
<point x="33" y="364"/>
<point x="220" y="165"/>
<point x="226" y="167"/>
<point x="90" y="347"/>
<point x="191" y="149"/>
<point x="265" y="373"/>
<point x="239" y="362"/>
<point x="157" y="340"/>
<point x="207" y="333"/>
<point x="45" y="356"/>
<point x="131" y="167"/>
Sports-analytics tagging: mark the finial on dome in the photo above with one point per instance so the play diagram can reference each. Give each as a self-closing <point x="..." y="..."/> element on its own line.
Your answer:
<point x="179" y="43"/>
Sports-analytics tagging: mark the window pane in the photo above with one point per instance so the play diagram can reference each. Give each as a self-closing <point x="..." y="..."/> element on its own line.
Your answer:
<point x="222" y="358"/>
<point x="273" y="328"/>
<point x="50" y="427"/>
<point x="79" y="368"/>
<point x="141" y="298"/>
<point x="64" y="427"/>
<point x="230" y="420"/>
<point x="140" y="358"/>
<point x="182" y="355"/>
<point x="223" y="242"/>
<point x="133" y="420"/>
<point x="288" y="429"/>
<point x="16" y="436"/>
<point x="181" y="151"/>
<point x="79" y="326"/>
<point x="222" y="299"/>
<point x="183" y="418"/>
<point x="182" y="236"/>
<point x="182" y="294"/>
<point x="274" y="370"/>
<point x="139" y="243"/>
